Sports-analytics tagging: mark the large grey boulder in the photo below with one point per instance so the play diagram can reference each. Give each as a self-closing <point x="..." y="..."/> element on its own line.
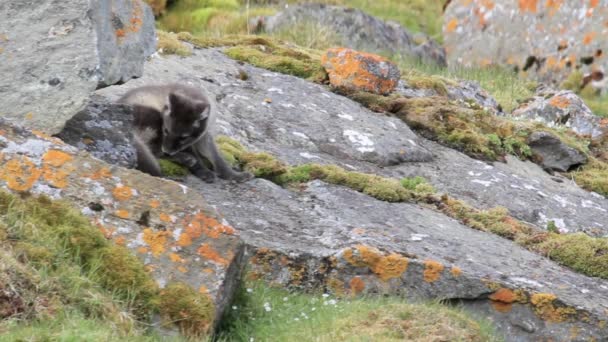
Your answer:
<point x="55" y="53"/>
<point x="360" y="31"/>
<point x="546" y="40"/>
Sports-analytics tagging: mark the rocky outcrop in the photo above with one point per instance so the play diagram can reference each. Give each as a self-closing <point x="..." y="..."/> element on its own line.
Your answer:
<point x="544" y="39"/>
<point x="322" y="235"/>
<point x="103" y="129"/>
<point x="355" y="70"/>
<point x="562" y="108"/>
<point x="554" y="154"/>
<point x="54" y="55"/>
<point x="360" y="31"/>
<point x="169" y="227"/>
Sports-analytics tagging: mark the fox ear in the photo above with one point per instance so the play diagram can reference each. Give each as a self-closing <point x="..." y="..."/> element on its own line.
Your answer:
<point x="202" y="108"/>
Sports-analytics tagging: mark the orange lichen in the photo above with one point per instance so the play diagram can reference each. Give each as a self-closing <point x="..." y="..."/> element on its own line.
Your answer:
<point x="385" y="267"/>
<point x="202" y="224"/>
<point x="203" y="289"/>
<point x="156" y="240"/>
<point x="56" y="158"/>
<point x="102" y="173"/>
<point x="56" y="178"/>
<point x="357" y="285"/>
<point x="123" y="214"/>
<point x="432" y="270"/>
<point x="589" y="38"/>
<point x="154" y="204"/>
<point x="206" y="251"/>
<point x="502" y="299"/>
<point x="208" y="270"/>
<point x="164" y="217"/>
<point x="182" y="269"/>
<point x="122" y="193"/>
<point x="176" y="258"/>
<point x="553" y="6"/>
<point x="593" y="3"/>
<point x="349" y="68"/>
<point x="451" y="25"/>
<point x="456" y="271"/>
<point x="545" y="306"/>
<point x="559" y="102"/>
<point x="120" y="33"/>
<point x="184" y="240"/>
<point x="20" y="173"/>
<point x="528" y="5"/>
<point x="120" y="240"/>
<point x="142" y="250"/>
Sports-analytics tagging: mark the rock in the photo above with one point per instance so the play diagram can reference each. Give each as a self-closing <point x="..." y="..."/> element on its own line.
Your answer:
<point x="169" y="227"/>
<point x="554" y="154"/>
<point x="546" y="40"/>
<point x="360" y="71"/>
<point x="360" y="31"/>
<point x="105" y="130"/>
<point x="332" y="238"/>
<point x="562" y="108"/>
<point x="55" y="55"/>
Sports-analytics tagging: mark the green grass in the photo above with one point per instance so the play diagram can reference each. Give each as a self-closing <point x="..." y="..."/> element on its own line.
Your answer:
<point x="263" y="313"/>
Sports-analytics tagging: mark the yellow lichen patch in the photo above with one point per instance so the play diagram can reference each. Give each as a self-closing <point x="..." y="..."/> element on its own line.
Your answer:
<point x="206" y="251"/>
<point x="123" y="214"/>
<point x="452" y="25"/>
<point x="203" y="290"/>
<point x="175" y="257"/>
<point x="385" y="267"/>
<point x="208" y="270"/>
<point x="120" y="240"/>
<point x="545" y="306"/>
<point x="164" y="217"/>
<point x="122" y="193"/>
<point x="56" y="178"/>
<point x="357" y="285"/>
<point x="456" y="271"/>
<point x="432" y="270"/>
<point x="156" y="241"/>
<point x="154" y="204"/>
<point x="20" y="173"/>
<point x="142" y="250"/>
<point x="182" y="269"/>
<point x="559" y="102"/>
<point x="56" y="158"/>
<point x="102" y="173"/>
<point x="29" y="116"/>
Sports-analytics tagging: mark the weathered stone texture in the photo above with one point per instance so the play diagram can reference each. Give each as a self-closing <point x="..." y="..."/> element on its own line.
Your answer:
<point x="562" y="109"/>
<point x="358" y="30"/>
<point x="554" y="154"/>
<point x="54" y="53"/>
<point x="545" y="39"/>
<point x="170" y="228"/>
<point x="360" y="71"/>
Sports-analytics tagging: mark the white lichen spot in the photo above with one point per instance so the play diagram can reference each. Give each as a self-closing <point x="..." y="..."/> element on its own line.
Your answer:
<point x="542" y="194"/>
<point x="184" y="188"/>
<point x="124" y="230"/>
<point x="137" y="242"/>
<point x="527" y="281"/>
<point x="563" y="201"/>
<point x="98" y="189"/>
<point x="239" y="97"/>
<point x="514" y="186"/>
<point x="530" y="187"/>
<point x="177" y="233"/>
<point x="301" y="135"/>
<point x="332" y="140"/>
<point x="309" y="156"/>
<point x="482" y="182"/>
<point x="591" y="204"/>
<point x="287" y="105"/>
<point x="412" y="142"/>
<point x="31" y="147"/>
<point x="346" y="117"/>
<point x="585" y="291"/>
<point x="360" y="139"/>
<point x="393" y="126"/>
<point x="275" y="90"/>
<point x="326" y="95"/>
<point x="134" y="192"/>
<point x="418" y="237"/>
<point x="475" y="174"/>
<point x="86" y="211"/>
<point x="53" y="193"/>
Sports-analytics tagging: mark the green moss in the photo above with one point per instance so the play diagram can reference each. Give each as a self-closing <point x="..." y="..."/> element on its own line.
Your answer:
<point x="122" y="272"/>
<point x="573" y="81"/>
<point x="171" y="45"/>
<point x="579" y="251"/>
<point x="193" y="312"/>
<point x="434" y="82"/>
<point x="593" y="176"/>
<point x="34" y="254"/>
<point x="171" y="169"/>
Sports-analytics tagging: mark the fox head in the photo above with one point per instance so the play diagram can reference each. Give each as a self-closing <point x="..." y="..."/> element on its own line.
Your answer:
<point x="185" y="121"/>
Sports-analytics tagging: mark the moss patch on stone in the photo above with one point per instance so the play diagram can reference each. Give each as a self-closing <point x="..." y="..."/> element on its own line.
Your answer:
<point x="169" y="44"/>
<point x="193" y="312"/>
<point x="171" y="169"/>
<point x="593" y="176"/>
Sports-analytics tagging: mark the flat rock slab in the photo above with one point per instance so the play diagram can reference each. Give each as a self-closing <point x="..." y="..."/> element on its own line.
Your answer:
<point x="170" y="228"/>
<point x="343" y="241"/>
<point x="54" y="53"/>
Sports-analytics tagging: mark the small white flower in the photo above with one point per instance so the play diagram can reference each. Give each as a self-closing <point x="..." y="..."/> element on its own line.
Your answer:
<point x="296" y="319"/>
<point x="267" y="308"/>
<point x="251" y="339"/>
<point x="313" y="309"/>
<point x="266" y="304"/>
<point x="324" y="303"/>
<point x="325" y="295"/>
<point x="249" y="291"/>
<point x="303" y="314"/>
<point x="285" y="299"/>
<point x="332" y="302"/>
<point x="234" y="307"/>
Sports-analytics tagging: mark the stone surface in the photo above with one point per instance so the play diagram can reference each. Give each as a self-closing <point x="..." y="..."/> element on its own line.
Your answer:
<point x="554" y="154"/>
<point x="105" y="130"/>
<point x="314" y="236"/>
<point x="54" y="54"/>
<point x="332" y="238"/>
<point x="562" y="108"/>
<point x="172" y="229"/>
<point x="360" y="31"/>
<point x="544" y="39"/>
<point x="360" y="71"/>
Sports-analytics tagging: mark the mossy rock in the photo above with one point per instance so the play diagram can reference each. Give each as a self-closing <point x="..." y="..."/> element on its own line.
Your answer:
<point x="171" y="169"/>
<point x="193" y="312"/>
